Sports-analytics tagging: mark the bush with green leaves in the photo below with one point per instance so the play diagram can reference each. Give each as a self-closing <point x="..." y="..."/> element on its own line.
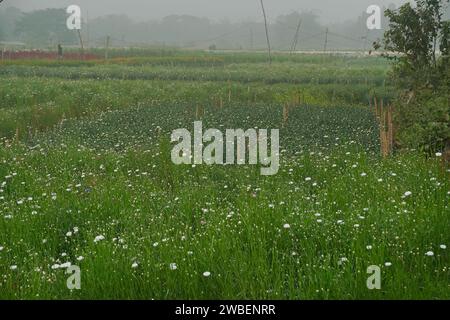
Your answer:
<point x="419" y="38"/>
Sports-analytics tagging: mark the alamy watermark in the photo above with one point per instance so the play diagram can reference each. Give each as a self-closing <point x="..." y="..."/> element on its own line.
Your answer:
<point x="208" y="147"/>
<point x="73" y="22"/>
<point x="74" y="280"/>
<point x="374" y="20"/>
<point x="374" y="280"/>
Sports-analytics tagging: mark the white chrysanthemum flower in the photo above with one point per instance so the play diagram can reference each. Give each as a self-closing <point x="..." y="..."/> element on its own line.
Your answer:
<point x="99" y="238"/>
<point x="429" y="253"/>
<point x="173" y="266"/>
<point x="206" y="274"/>
<point x="442" y="246"/>
<point x="135" y="265"/>
<point x="407" y="194"/>
<point x="286" y="226"/>
<point x="13" y="267"/>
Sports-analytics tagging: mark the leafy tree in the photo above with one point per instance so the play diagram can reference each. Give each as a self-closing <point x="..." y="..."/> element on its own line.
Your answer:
<point x="418" y="43"/>
<point x="45" y="27"/>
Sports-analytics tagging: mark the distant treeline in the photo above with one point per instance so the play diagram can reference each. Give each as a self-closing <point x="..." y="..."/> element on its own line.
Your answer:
<point x="47" y="28"/>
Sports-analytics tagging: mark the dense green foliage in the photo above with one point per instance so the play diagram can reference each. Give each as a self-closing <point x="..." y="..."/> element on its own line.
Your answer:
<point x="88" y="180"/>
<point x="40" y="94"/>
<point x="422" y="75"/>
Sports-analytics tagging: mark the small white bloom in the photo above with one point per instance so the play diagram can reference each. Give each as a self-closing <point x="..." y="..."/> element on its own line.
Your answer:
<point x="438" y="154"/>
<point x="287" y="226"/>
<point x="173" y="266"/>
<point x="99" y="238"/>
<point x="206" y="274"/>
<point x="407" y="194"/>
<point x="429" y="253"/>
<point x="388" y="264"/>
<point x="442" y="246"/>
<point x="80" y="258"/>
<point x="369" y="247"/>
<point x="135" y="265"/>
<point x="155" y="244"/>
<point x="13" y="267"/>
<point x="69" y="234"/>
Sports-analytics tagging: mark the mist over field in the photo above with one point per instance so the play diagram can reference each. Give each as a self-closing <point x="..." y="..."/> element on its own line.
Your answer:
<point x="330" y="11"/>
<point x="198" y="24"/>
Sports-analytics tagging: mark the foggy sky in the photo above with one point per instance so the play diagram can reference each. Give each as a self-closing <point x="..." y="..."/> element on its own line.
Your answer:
<point x="234" y="10"/>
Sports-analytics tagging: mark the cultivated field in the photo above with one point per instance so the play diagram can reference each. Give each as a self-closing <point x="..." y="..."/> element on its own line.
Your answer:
<point x="86" y="179"/>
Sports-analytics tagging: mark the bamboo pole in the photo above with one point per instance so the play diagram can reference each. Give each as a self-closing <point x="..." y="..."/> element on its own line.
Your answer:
<point x="267" y="32"/>
<point x="81" y="43"/>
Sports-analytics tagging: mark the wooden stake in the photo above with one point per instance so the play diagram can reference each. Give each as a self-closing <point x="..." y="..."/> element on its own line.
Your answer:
<point x="81" y="44"/>
<point x="285" y="114"/>
<point x="107" y="47"/>
<point x="326" y="41"/>
<point x="295" y="41"/>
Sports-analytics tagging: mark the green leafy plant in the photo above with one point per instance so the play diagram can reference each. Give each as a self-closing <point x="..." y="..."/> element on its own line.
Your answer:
<point x="421" y="73"/>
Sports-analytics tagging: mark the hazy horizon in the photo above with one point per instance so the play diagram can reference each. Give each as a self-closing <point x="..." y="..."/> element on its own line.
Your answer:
<point x="234" y="10"/>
